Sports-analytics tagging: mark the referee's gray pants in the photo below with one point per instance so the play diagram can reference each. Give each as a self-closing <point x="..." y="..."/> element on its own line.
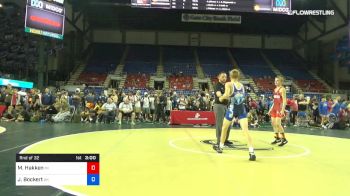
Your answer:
<point x="220" y="112"/>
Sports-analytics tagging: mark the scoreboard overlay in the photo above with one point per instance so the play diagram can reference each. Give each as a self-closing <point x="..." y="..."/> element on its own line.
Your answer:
<point x="57" y="169"/>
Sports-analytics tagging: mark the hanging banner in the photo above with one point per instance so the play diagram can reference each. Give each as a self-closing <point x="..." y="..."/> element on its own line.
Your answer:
<point x="209" y="18"/>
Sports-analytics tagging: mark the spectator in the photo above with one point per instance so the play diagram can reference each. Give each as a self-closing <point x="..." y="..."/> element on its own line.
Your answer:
<point x="293" y="110"/>
<point x="336" y="106"/>
<point x="160" y="107"/>
<point x="109" y="110"/>
<point x="152" y="106"/>
<point x="47" y="98"/>
<point x="90" y="100"/>
<point x="168" y="108"/>
<point x="146" y="106"/>
<point x="10" y="115"/>
<point x="63" y="110"/>
<point x="126" y="109"/>
<point x="182" y="103"/>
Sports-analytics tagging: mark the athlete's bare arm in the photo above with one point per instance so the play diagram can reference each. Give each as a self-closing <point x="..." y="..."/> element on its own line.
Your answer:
<point x="284" y="97"/>
<point x="227" y="93"/>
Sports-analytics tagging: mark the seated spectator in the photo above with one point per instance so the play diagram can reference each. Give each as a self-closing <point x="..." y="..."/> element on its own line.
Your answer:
<point x="109" y="109"/>
<point x="90" y="100"/>
<point x="47" y="99"/>
<point x="63" y="107"/>
<point x="23" y="115"/>
<point x="96" y="113"/>
<point x="126" y="109"/>
<point x="253" y="121"/>
<point x="85" y="115"/>
<point x="10" y="115"/>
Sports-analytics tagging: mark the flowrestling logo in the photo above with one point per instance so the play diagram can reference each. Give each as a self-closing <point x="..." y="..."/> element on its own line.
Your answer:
<point x="312" y="12"/>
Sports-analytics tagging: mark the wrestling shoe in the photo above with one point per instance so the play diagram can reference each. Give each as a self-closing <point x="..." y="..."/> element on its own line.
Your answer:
<point x="228" y="143"/>
<point x="217" y="148"/>
<point x="283" y="142"/>
<point x="276" y="141"/>
<point x="252" y="156"/>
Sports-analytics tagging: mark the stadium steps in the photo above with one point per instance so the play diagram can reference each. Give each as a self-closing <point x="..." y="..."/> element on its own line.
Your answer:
<point x="200" y="72"/>
<point x="253" y="95"/>
<point x="119" y="70"/>
<point x="160" y="67"/>
<point x="151" y="82"/>
<point x="76" y="74"/>
<point x="329" y="88"/>
<point x="277" y="72"/>
<point x="252" y="84"/>
<point x="160" y="70"/>
<point x="125" y="55"/>
<point x="234" y="62"/>
<point x="166" y="84"/>
<point x="210" y="85"/>
<point x="122" y="81"/>
<point x="107" y="81"/>
<point x="195" y="83"/>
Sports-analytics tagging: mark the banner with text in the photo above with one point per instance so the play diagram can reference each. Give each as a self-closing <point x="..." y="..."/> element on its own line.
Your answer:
<point x="209" y="18"/>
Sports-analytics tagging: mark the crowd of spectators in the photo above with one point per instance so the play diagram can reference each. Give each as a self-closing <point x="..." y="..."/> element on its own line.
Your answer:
<point x="113" y="106"/>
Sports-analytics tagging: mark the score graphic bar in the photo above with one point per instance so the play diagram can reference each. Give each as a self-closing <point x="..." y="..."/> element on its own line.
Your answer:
<point x="57" y="169"/>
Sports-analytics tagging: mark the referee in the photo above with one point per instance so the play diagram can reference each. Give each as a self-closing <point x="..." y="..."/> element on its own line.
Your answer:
<point x="220" y="108"/>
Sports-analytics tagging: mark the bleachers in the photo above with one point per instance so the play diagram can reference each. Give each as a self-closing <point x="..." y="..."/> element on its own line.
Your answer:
<point x="214" y="60"/>
<point x="179" y="60"/>
<point x="265" y="84"/>
<point x="212" y="70"/>
<point x="137" y="81"/>
<point x="185" y="69"/>
<point x="293" y="67"/>
<point x="181" y="82"/>
<point x="252" y="63"/>
<point x="91" y="79"/>
<point x="178" y="54"/>
<point x="311" y="86"/>
<point x="142" y="59"/>
<point x="103" y="61"/>
<point x="140" y="67"/>
<point x="209" y="55"/>
<point x="289" y="64"/>
<point x="180" y="68"/>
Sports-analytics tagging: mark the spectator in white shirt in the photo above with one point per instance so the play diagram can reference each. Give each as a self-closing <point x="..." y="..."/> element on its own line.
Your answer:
<point x="152" y="100"/>
<point x="137" y="108"/>
<point x="168" y="107"/>
<point x="182" y="103"/>
<point x="146" y="104"/>
<point x="109" y="109"/>
<point x="126" y="109"/>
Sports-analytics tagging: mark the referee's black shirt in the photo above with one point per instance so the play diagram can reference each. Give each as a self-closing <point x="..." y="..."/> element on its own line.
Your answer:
<point x="220" y="87"/>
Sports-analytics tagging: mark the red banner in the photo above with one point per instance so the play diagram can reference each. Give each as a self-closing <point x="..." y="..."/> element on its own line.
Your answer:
<point x="191" y="118"/>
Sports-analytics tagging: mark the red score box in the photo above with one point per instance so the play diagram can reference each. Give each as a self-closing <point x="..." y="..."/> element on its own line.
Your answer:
<point x="93" y="168"/>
